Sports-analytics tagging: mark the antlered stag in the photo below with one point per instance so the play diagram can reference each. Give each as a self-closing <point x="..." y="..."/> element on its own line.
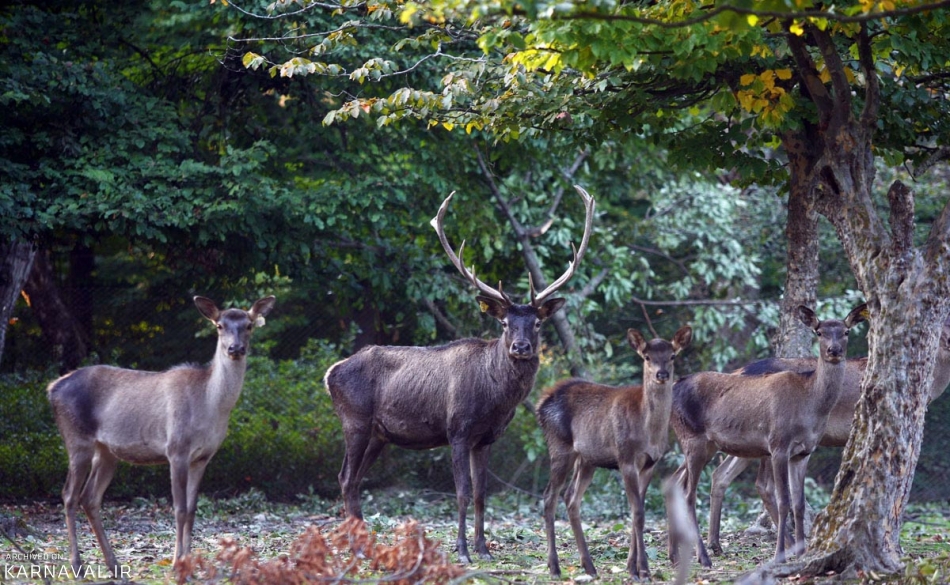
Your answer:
<point x="590" y="425"/>
<point x="462" y="394"/>
<point x="179" y="416"/>
<point x="781" y="415"/>
<point x="836" y="433"/>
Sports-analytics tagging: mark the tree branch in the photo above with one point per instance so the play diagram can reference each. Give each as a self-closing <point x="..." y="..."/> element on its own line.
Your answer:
<point x="872" y="95"/>
<point x="810" y="79"/>
<point x="723" y="8"/>
<point x="569" y="175"/>
<point x="841" y="89"/>
<point x="689" y="302"/>
<point x="939" y="155"/>
<point x="440" y="317"/>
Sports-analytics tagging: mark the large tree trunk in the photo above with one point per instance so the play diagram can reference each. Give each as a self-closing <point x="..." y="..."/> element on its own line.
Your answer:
<point x="16" y="260"/>
<point x="61" y="330"/>
<point x="907" y="294"/>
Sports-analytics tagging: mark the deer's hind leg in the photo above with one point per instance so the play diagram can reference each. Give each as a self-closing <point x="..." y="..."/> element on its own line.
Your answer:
<point x="80" y="462"/>
<point x="562" y="462"/>
<point x="362" y="449"/>
<point x="583" y="474"/>
<point x="103" y="469"/>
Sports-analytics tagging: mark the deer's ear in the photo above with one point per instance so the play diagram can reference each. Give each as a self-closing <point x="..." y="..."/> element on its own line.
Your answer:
<point x="636" y="341"/>
<point x="857" y="315"/>
<point x="549" y="307"/>
<point x="493" y="307"/>
<point x="262" y="307"/>
<point x="682" y="338"/>
<point x="207" y="308"/>
<point x="808" y="317"/>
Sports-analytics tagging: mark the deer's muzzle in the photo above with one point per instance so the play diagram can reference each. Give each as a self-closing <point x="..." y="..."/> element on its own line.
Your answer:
<point x="521" y="350"/>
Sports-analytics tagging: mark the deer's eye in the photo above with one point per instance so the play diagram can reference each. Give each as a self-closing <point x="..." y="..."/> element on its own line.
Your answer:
<point x="537" y="324"/>
<point x="219" y="326"/>
<point x="646" y="358"/>
<point x="250" y="326"/>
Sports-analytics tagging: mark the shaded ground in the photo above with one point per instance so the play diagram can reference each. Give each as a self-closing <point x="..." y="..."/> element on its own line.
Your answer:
<point x="143" y="533"/>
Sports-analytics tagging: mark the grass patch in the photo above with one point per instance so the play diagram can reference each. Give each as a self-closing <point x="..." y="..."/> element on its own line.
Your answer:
<point x="143" y="532"/>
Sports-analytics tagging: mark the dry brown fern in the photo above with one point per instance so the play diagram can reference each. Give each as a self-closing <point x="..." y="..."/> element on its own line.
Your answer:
<point x="338" y="557"/>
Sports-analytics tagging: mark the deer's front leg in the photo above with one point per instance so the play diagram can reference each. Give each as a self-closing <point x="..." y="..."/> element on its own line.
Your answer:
<point x="461" y="457"/>
<point x="479" y="465"/>
<point x="179" y="474"/>
<point x="195" y="472"/>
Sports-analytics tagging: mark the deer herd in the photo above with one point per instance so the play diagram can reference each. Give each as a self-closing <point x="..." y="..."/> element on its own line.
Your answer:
<point x="464" y="394"/>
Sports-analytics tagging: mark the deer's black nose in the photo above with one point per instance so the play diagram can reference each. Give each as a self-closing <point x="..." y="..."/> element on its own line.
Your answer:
<point x="521" y="348"/>
<point x="662" y="376"/>
<point x="237" y="350"/>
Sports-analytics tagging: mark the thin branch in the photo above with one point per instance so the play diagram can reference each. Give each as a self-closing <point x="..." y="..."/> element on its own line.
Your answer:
<point x="678" y="263"/>
<point x="646" y="316"/>
<point x="872" y="91"/>
<point x="721" y="9"/>
<point x="306" y="8"/>
<point x="569" y="175"/>
<point x="939" y="155"/>
<point x="697" y="302"/>
<point x="592" y="285"/>
<point x="440" y="317"/>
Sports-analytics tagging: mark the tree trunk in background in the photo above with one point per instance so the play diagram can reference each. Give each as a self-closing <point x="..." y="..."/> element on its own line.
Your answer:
<point x="16" y="260"/>
<point x="794" y="340"/>
<point x="61" y="330"/>
<point x="82" y="263"/>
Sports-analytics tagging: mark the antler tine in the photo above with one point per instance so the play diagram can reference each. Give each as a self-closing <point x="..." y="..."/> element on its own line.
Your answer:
<point x="536" y="300"/>
<point x="456" y="259"/>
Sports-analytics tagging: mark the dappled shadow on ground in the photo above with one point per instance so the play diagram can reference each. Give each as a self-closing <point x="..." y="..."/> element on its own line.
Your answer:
<point x="143" y="533"/>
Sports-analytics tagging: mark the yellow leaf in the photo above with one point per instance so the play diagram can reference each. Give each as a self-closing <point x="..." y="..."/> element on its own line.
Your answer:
<point x="825" y="75"/>
<point x="745" y="99"/>
<point x="796" y="29"/>
<point x="747" y="79"/>
<point x="752" y="20"/>
<point x="784" y="73"/>
<point x="448" y="126"/>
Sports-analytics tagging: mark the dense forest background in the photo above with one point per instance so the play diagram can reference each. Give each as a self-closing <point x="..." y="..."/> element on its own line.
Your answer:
<point x="145" y="164"/>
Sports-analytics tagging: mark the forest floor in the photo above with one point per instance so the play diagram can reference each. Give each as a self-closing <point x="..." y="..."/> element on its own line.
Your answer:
<point x="142" y="533"/>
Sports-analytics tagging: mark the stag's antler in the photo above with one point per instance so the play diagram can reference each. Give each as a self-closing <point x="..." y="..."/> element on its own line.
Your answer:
<point x="499" y="294"/>
<point x="536" y="300"/>
<point x="488" y="291"/>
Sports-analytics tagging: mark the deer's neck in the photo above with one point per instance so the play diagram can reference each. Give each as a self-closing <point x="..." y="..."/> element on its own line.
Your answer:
<point x="658" y="403"/>
<point x="225" y="382"/>
<point x="514" y="377"/>
<point x="829" y="378"/>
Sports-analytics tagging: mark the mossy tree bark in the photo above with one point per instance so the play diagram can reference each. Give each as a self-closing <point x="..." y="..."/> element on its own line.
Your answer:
<point x="907" y="293"/>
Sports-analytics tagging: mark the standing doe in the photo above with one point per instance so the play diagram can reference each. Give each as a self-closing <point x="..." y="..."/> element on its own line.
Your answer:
<point x="462" y="394"/>
<point x="781" y="415"/>
<point x="179" y="416"/>
<point x="836" y="433"/>
<point x="590" y="425"/>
